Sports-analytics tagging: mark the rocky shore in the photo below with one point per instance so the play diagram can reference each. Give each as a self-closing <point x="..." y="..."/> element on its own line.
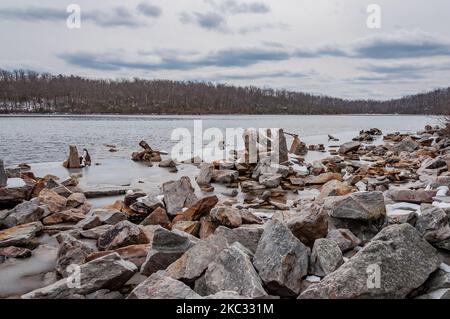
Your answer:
<point x="369" y="221"/>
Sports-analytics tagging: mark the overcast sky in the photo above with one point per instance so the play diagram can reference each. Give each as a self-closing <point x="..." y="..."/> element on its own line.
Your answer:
<point x="315" y="46"/>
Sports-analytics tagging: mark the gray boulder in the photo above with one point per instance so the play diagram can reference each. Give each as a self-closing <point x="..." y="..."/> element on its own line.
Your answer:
<point x="281" y="260"/>
<point x="246" y="236"/>
<point x="433" y="224"/>
<point x="393" y="264"/>
<point x="71" y="252"/>
<point x="233" y="271"/>
<point x="178" y="194"/>
<point x="27" y="212"/>
<point x="108" y="272"/>
<point x="21" y="235"/>
<point x="406" y="145"/>
<point x="345" y="239"/>
<point x="122" y="234"/>
<point x="358" y="206"/>
<point x="349" y="147"/>
<point x="160" y="286"/>
<point x="326" y="257"/>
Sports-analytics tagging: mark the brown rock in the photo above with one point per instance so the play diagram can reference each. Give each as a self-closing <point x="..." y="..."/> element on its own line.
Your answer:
<point x="68" y="216"/>
<point x="309" y="225"/>
<point x="201" y="208"/>
<point x="157" y="217"/>
<point x="73" y="160"/>
<point x="322" y="178"/>
<point x="15" y="252"/>
<point x="412" y="196"/>
<point x="226" y="216"/>
<point x="121" y="235"/>
<point x="55" y="203"/>
<point x="133" y="253"/>
<point x="207" y="227"/>
<point x="190" y="227"/>
<point x="334" y="188"/>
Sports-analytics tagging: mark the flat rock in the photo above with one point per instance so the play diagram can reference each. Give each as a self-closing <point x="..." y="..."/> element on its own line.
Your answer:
<point x="326" y="257"/>
<point x="160" y="286"/>
<point x="398" y="254"/>
<point x="281" y="260"/>
<point x="357" y="206"/>
<point x="133" y="253"/>
<point x="21" y="235"/>
<point x="71" y="216"/>
<point x="323" y="178"/>
<point x="109" y="272"/>
<point x="121" y="235"/>
<point x="233" y="271"/>
<point x="411" y="196"/>
<point x="178" y="194"/>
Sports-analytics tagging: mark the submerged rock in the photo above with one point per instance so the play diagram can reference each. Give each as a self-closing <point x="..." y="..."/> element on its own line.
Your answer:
<point x="281" y="260"/>
<point x="393" y="264"/>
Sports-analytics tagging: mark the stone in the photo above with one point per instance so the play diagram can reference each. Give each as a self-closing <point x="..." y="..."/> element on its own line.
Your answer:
<point x="190" y="227"/>
<point x="54" y="202"/>
<point x="62" y="191"/>
<point x="133" y="253"/>
<point x="344" y="238"/>
<point x="247" y="236"/>
<point x="21" y="235"/>
<point x="166" y="248"/>
<point x="357" y="206"/>
<point x="440" y="279"/>
<point x="398" y="253"/>
<point x="76" y="200"/>
<point x="201" y="208"/>
<point x="146" y="205"/>
<point x="178" y="194"/>
<point x="437" y="294"/>
<point x="326" y="257"/>
<point x="406" y="145"/>
<point x="281" y="260"/>
<point x="15" y="252"/>
<point x="433" y="224"/>
<point x="334" y="188"/>
<point x="3" y="177"/>
<point x="71" y="252"/>
<point x="226" y="216"/>
<point x="349" y="147"/>
<point x="270" y="181"/>
<point x="298" y="147"/>
<point x="194" y="262"/>
<point x="71" y="216"/>
<point x="109" y="216"/>
<point x="131" y="197"/>
<point x="224" y="176"/>
<point x="411" y="196"/>
<point x="95" y="232"/>
<point x="121" y="235"/>
<point x="16" y="192"/>
<point x="157" y="217"/>
<point x="160" y="286"/>
<point x="322" y="178"/>
<point x="109" y="272"/>
<point x="309" y="225"/>
<point x="24" y="213"/>
<point x="73" y="160"/>
<point x="233" y="271"/>
<point x="283" y="154"/>
<point x="205" y="175"/>
<point x="249" y="218"/>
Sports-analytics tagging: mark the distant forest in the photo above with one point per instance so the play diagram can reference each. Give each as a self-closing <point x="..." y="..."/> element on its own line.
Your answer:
<point x="31" y="92"/>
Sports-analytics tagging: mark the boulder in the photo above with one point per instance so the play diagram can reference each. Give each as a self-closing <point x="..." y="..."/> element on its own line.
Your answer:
<point x="281" y="260"/>
<point x="15" y="252"/>
<point x="270" y="180"/>
<point x="233" y="271"/>
<point x="323" y="178"/>
<point x="194" y="262"/>
<point x="224" y="176"/>
<point x="190" y="227"/>
<point x="54" y="202"/>
<point x="393" y="264"/>
<point x="21" y="235"/>
<point x="3" y="177"/>
<point x="334" y="188"/>
<point x="201" y="208"/>
<point x="411" y="196"/>
<point x="157" y="217"/>
<point x="178" y="194"/>
<point x="344" y="238"/>
<point x="17" y="191"/>
<point x="133" y="253"/>
<point x="349" y="147"/>
<point x="326" y="257"/>
<point x="109" y="272"/>
<point x="160" y="286"/>
<point x="247" y="236"/>
<point x="75" y="200"/>
<point x="121" y="235"/>
<point x="433" y="224"/>
<point x="73" y="160"/>
<point x="166" y="248"/>
<point x="71" y="252"/>
<point x="298" y="147"/>
<point x="357" y="206"/>
<point x="309" y="225"/>
<point x="24" y="213"/>
<point x="283" y="154"/>
<point x="205" y="175"/>
<point x="249" y="218"/>
<point x="71" y="216"/>
<point x="406" y="145"/>
<point x="226" y="216"/>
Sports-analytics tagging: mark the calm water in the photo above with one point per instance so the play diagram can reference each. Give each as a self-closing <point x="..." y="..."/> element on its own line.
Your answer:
<point x="45" y="139"/>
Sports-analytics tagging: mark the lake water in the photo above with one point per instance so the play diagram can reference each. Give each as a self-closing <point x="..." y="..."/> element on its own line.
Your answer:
<point x="37" y="139"/>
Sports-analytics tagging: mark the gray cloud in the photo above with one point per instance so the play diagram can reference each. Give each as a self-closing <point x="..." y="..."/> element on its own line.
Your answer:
<point x="235" y="7"/>
<point x="233" y="57"/>
<point x="256" y="76"/>
<point x="209" y="20"/>
<point x="149" y="10"/>
<point x="115" y="17"/>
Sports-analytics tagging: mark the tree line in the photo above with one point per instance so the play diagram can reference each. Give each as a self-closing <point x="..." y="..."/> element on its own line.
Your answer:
<point x="24" y="91"/>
